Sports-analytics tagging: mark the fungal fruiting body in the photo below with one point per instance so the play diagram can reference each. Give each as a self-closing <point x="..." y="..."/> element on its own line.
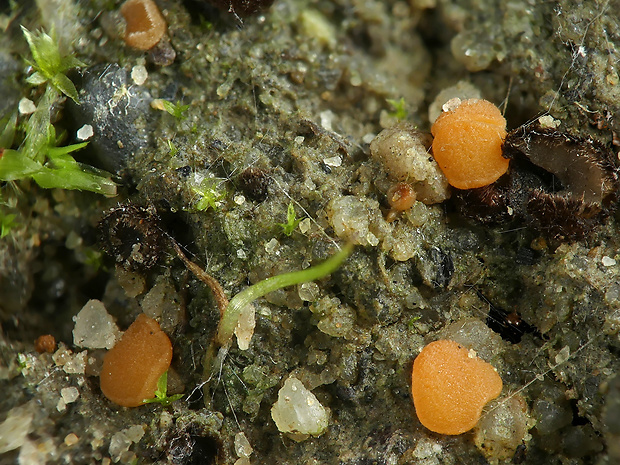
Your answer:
<point x="133" y="366"/>
<point x="401" y="196"/>
<point x="467" y="144"/>
<point x="450" y="385"/>
<point x="145" y="24"/>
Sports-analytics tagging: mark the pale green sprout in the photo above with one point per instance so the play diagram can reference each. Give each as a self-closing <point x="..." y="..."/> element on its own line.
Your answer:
<point x="291" y="220"/>
<point x="400" y="112"/>
<point x="93" y="258"/>
<point x="175" y="109"/>
<point x="47" y="164"/>
<point x="209" y="194"/>
<point x="173" y="148"/>
<point x="50" y="66"/>
<point x="39" y="157"/>
<point x="161" y="394"/>
<point x="7" y="222"/>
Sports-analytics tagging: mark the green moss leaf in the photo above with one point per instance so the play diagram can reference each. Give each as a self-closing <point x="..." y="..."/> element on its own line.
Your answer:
<point x="36" y="79"/>
<point x="175" y="109"/>
<point x="64" y="85"/>
<point x="161" y="394"/>
<point x="7" y="222"/>
<point x="49" y="64"/>
<point x="291" y="220"/>
<point x="70" y="175"/>
<point x="14" y="165"/>
<point x="7" y="133"/>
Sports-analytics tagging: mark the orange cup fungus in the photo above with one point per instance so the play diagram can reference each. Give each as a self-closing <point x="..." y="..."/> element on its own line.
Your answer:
<point x="133" y="366"/>
<point x="145" y="24"/>
<point x="467" y="144"/>
<point x="450" y="385"/>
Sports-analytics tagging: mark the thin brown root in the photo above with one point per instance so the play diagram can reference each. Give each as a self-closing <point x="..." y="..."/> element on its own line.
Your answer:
<point x="214" y="285"/>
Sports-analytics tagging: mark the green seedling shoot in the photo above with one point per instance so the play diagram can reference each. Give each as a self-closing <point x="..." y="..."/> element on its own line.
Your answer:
<point x="49" y="65"/>
<point x="7" y="222"/>
<point x="48" y="165"/>
<point x="229" y="318"/>
<point x="161" y="394"/>
<point x="175" y="109"/>
<point x="291" y="220"/>
<point x="39" y="156"/>
<point x="230" y="310"/>
<point x="209" y="194"/>
<point x="400" y="112"/>
<point x="173" y="148"/>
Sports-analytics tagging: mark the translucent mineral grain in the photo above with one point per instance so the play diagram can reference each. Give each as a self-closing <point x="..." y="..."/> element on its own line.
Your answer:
<point x="94" y="327"/>
<point x="351" y="218"/>
<point x="298" y="411"/>
<point x="15" y="429"/>
<point x="403" y="151"/>
<point x="503" y="428"/>
<point x="245" y="326"/>
<point x="242" y="445"/>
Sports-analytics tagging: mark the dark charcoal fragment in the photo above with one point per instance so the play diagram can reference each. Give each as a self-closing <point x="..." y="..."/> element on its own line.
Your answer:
<point x="560" y="184"/>
<point x="192" y="448"/>
<point x="162" y="54"/>
<point x="520" y="454"/>
<point x="509" y="325"/>
<point x="488" y="204"/>
<point x="444" y="266"/>
<point x="114" y="111"/>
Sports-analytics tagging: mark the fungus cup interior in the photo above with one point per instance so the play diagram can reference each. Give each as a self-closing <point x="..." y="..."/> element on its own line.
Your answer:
<point x="133" y="366"/>
<point x="145" y="24"/>
<point x="467" y="143"/>
<point x="450" y="385"/>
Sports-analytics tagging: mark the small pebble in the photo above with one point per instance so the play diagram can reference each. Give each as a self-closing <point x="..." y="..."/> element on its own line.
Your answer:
<point x="548" y="122"/>
<point x="272" y="246"/>
<point x="298" y="411"/>
<point x="69" y="394"/>
<point x="85" y="132"/>
<point x="305" y="225"/>
<point x="333" y="161"/>
<point x="245" y="326"/>
<point x="327" y="118"/>
<point x="26" y="106"/>
<point x="608" y="261"/>
<point x="71" y="439"/>
<point x="242" y="445"/>
<point x="94" y="327"/>
<point x="139" y="74"/>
